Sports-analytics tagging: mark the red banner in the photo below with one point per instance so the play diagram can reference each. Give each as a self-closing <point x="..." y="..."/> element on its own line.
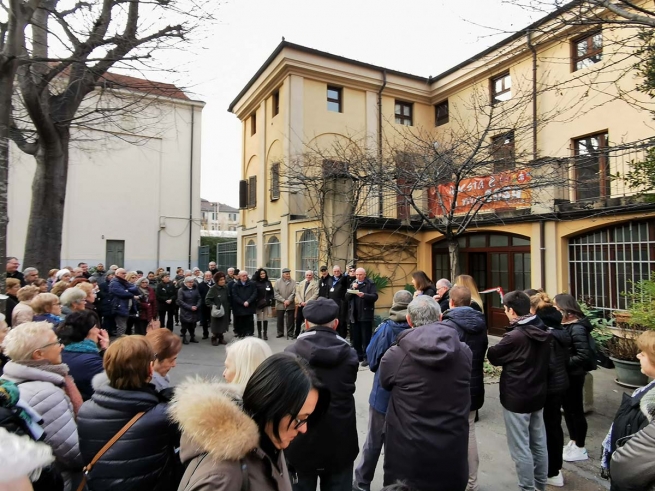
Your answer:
<point x="497" y="191"/>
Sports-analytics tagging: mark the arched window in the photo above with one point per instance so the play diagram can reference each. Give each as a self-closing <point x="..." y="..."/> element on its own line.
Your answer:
<point x="251" y="257"/>
<point x="307" y="253"/>
<point x="272" y="257"/>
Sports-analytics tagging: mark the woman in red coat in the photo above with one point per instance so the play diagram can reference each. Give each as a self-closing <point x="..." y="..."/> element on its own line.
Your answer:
<point x="147" y="306"/>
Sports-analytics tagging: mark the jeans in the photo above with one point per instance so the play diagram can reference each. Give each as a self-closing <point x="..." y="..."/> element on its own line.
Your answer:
<point x="554" y="433"/>
<point x="360" y="336"/>
<point x="572" y="404"/>
<point x="281" y="316"/>
<point x="339" y="480"/>
<point x="473" y="457"/>
<point x="371" y="450"/>
<point x="526" y="439"/>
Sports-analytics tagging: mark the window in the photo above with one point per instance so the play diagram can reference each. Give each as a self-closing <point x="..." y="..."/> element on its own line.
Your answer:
<point x="275" y="181"/>
<point x="251" y="257"/>
<point x="606" y="262"/>
<point x="586" y="51"/>
<point x="592" y="179"/>
<point x="307" y="253"/>
<point x="275" y="103"/>
<point x="441" y="113"/>
<point x="272" y="257"/>
<point x="252" y="191"/>
<point x="253" y="124"/>
<point x="501" y="88"/>
<point x="232" y="217"/>
<point x="403" y="111"/>
<point x="502" y="152"/>
<point x="334" y="100"/>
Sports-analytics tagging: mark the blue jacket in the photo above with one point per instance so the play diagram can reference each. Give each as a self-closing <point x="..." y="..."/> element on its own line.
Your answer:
<point x="122" y="291"/>
<point x="382" y="340"/>
<point x="83" y="367"/>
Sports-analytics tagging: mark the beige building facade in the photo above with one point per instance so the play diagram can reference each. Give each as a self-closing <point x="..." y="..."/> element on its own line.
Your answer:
<point x="555" y="99"/>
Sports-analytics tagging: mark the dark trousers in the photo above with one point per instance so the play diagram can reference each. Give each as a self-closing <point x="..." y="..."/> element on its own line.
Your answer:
<point x="205" y="317"/>
<point x="339" y="480"/>
<point x="360" y="336"/>
<point x="130" y="325"/>
<point x="300" y="320"/>
<point x="140" y="326"/>
<point x="167" y="316"/>
<point x="109" y="324"/>
<point x="371" y="450"/>
<point x="281" y="316"/>
<point x="176" y="313"/>
<point x="342" y="329"/>
<point x="244" y="325"/>
<point x="554" y="433"/>
<point x="189" y="326"/>
<point x="572" y="403"/>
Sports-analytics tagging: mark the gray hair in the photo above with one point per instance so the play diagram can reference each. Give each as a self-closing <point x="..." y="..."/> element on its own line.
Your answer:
<point x="29" y="270"/>
<point x="423" y="310"/>
<point x="71" y="296"/>
<point x="444" y="282"/>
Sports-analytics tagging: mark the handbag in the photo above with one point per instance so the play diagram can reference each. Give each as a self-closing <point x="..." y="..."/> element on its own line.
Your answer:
<point x="217" y="313"/>
<point x="107" y="446"/>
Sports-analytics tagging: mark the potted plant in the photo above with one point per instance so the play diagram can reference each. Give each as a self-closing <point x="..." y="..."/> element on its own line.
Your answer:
<point x="601" y="334"/>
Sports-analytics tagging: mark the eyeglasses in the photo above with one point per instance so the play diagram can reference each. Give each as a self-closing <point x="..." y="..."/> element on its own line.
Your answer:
<point x="58" y="342"/>
<point x="300" y="423"/>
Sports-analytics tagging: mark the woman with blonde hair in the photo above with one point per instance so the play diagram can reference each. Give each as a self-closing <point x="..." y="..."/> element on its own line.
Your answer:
<point x="60" y="287"/>
<point x="469" y="282"/>
<point x="41" y="284"/>
<point x="242" y="359"/>
<point x="46" y="307"/>
<point x="131" y="276"/>
<point x="23" y="311"/>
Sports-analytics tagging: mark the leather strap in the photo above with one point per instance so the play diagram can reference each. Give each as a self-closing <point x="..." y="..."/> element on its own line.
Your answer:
<point x="107" y="446"/>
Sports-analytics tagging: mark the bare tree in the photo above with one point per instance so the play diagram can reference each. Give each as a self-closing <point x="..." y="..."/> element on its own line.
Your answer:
<point x="87" y="40"/>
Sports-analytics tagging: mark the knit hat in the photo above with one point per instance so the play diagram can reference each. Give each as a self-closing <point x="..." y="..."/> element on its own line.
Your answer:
<point x="398" y="310"/>
<point x="61" y="273"/>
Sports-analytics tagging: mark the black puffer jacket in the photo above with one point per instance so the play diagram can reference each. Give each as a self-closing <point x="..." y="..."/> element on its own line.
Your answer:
<point x="332" y="444"/>
<point x="242" y="293"/>
<point x="144" y="457"/>
<point x="581" y="356"/>
<point x="264" y="293"/>
<point x="471" y="328"/>
<point x="560" y="343"/>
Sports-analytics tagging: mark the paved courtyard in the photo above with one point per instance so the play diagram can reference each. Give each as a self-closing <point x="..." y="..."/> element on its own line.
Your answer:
<point x="496" y="467"/>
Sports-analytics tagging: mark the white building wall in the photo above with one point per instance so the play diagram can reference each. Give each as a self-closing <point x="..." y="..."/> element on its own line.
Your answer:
<point x="134" y="186"/>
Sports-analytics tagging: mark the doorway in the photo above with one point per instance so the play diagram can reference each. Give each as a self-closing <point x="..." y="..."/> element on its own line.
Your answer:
<point x="115" y="253"/>
<point x="493" y="260"/>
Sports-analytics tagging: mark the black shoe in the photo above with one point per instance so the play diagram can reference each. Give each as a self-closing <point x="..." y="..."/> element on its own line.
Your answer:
<point x="364" y="363"/>
<point x="205" y="336"/>
<point x="279" y="336"/>
<point x="193" y="339"/>
<point x="184" y="339"/>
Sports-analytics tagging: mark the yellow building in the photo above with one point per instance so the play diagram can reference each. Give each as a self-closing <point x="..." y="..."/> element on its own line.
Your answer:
<point x="556" y="102"/>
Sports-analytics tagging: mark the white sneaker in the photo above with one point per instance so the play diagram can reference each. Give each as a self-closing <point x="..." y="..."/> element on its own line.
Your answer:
<point x="557" y="480"/>
<point x="568" y="445"/>
<point x="575" y="454"/>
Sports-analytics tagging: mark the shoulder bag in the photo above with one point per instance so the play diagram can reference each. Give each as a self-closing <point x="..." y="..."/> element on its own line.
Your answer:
<point x="107" y="446"/>
<point x="217" y="312"/>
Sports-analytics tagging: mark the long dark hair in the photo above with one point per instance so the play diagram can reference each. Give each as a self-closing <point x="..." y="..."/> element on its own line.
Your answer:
<point x="258" y="272"/>
<point x="568" y="305"/>
<point x="422" y="280"/>
<point x="278" y="388"/>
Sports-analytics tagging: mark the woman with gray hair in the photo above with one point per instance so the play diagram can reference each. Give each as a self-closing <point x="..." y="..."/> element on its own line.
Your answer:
<point x="189" y="301"/>
<point x="46" y="386"/>
<point x="72" y="300"/>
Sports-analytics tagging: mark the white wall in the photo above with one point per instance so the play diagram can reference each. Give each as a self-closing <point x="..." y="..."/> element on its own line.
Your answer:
<point x="121" y="186"/>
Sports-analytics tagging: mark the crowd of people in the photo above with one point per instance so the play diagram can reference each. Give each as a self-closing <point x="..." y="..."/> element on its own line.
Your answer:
<point x="105" y="415"/>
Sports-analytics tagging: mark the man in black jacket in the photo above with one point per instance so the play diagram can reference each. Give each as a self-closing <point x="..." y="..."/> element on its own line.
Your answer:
<point x="524" y="353"/>
<point x="244" y="305"/>
<point x="324" y="282"/>
<point x="362" y="310"/>
<point x="328" y="451"/>
<point x="166" y="294"/>
<point x="337" y="292"/>
<point x="471" y="328"/>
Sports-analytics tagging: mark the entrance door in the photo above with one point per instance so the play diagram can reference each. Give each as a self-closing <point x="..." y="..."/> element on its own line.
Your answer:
<point x="115" y="253"/>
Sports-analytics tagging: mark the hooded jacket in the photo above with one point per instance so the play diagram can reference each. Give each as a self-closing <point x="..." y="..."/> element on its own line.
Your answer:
<point x="217" y="437"/>
<point x="471" y="328"/>
<point x="384" y="337"/>
<point x="560" y="343"/>
<point x="332" y="444"/>
<point x="428" y="372"/>
<point x="581" y="356"/>
<point x="524" y="354"/>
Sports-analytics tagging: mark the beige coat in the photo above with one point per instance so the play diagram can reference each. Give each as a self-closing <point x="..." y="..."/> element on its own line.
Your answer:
<point x="217" y="438"/>
<point x="310" y="294"/>
<point x="284" y="290"/>
<point x="21" y="314"/>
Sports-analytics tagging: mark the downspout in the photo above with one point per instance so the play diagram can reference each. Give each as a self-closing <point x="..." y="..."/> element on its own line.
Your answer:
<point x="542" y="223"/>
<point x="381" y="167"/>
<point x="193" y="111"/>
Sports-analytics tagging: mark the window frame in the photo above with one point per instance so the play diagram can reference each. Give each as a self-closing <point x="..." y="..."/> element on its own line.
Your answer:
<point x="275" y="103"/>
<point x="250" y="253"/>
<point x="253" y="124"/>
<point x="306" y="241"/>
<point x="338" y="101"/>
<point x="275" y="181"/>
<point x="588" y="38"/>
<point x="401" y="118"/>
<point x="604" y="187"/>
<point x="270" y="241"/>
<point x="252" y="192"/>
<point x="503" y="163"/>
<point x="492" y="87"/>
<point x="440" y="121"/>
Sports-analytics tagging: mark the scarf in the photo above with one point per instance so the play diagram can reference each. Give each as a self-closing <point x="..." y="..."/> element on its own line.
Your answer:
<point x="84" y="346"/>
<point x="145" y="292"/>
<point x="61" y="369"/>
<point x="522" y="319"/>
<point x="10" y="399"/>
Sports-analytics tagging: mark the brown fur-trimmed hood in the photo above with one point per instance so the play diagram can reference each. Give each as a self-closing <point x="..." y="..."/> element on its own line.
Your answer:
<point x="212" y="421"/>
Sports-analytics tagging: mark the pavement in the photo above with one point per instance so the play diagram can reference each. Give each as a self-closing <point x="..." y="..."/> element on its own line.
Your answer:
<point x="496" y="471"/>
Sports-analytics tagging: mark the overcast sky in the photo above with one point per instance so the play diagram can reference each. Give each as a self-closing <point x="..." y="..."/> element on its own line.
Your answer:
<point x="422" y="37"/>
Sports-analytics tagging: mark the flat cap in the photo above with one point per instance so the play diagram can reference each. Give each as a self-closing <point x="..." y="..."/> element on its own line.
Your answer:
<point x="286" y="270"/>
<point x="321" y="311"/>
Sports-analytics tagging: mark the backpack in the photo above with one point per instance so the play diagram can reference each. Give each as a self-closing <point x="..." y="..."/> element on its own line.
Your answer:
<point x="592" y="364"/>
<point x="629" y="420"/>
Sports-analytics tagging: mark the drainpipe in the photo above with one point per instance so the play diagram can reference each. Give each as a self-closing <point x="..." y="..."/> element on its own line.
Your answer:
<point x="193" y="111"/>
<point x="381" y="168"/>
<point x="158" y="244"/>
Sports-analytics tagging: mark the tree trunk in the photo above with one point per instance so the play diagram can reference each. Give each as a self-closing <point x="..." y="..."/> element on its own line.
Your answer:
<point x="45" y="226"/>
<point x="6" y="86"/>
<point x="453" y="253"/>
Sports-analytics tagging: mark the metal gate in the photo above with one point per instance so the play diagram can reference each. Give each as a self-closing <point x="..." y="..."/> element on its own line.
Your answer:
<point x="226" y="255"/>
<point x="203" y="258"/>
